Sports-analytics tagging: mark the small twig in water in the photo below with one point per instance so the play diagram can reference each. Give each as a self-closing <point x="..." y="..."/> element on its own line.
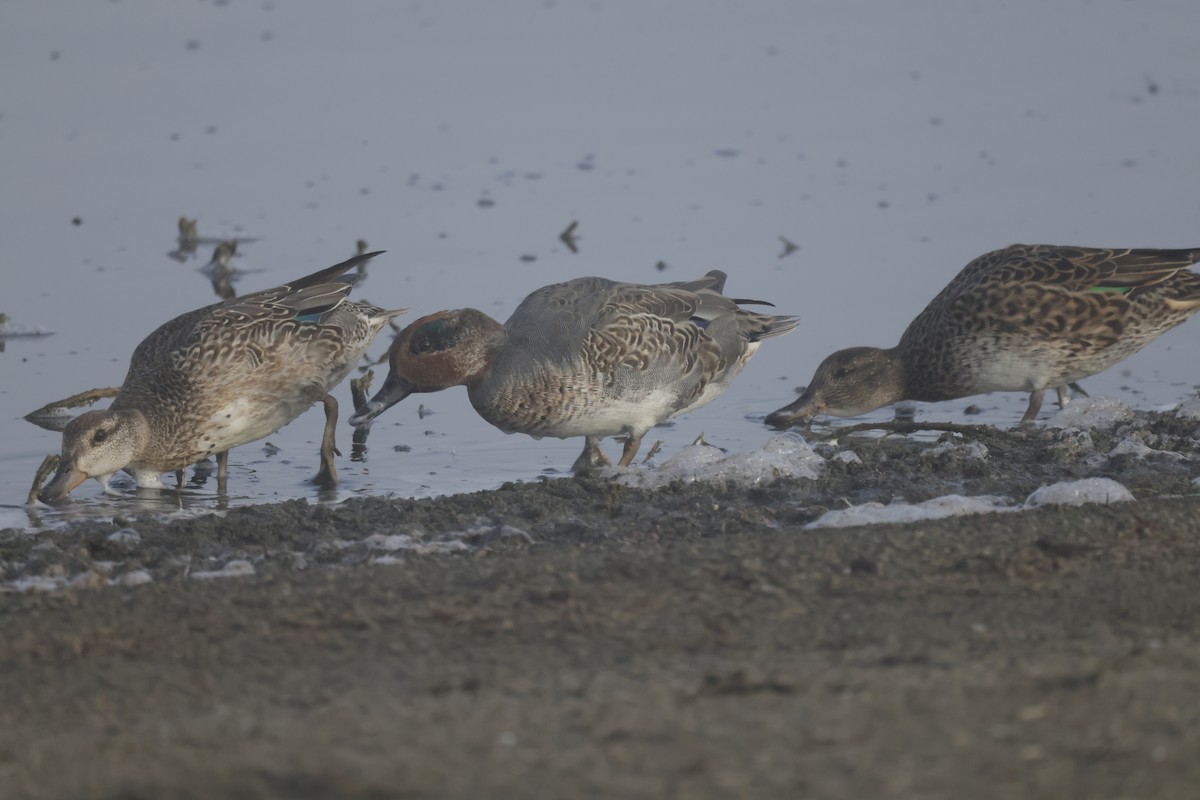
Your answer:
<point x="567" y="237"/>
<point x="359" y="387"/>
<point x="49" y="464"/>
<point x="789" y="247"/>
<point x="75" y="400"/>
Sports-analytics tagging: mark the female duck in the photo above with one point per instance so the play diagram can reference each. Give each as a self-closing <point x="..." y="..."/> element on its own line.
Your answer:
<point x="1025" y="318"/>
<point x="222" y="376"/>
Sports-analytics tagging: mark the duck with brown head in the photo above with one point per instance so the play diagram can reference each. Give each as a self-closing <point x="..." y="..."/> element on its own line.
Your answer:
<point x="589" y="357"/>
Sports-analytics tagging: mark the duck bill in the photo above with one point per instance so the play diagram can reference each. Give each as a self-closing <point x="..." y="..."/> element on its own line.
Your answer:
<point x="65" y="479"/>
<point x="802" y="410"/>
<point x="394" y="390"/>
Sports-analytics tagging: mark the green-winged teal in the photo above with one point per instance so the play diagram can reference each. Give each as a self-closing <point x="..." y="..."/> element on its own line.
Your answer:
<point x="1025" y="318"/>
<point x="589" y="357"/>
<point x="222" y="376"/>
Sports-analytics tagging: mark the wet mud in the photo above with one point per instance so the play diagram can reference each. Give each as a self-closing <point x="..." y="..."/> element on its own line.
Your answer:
<point x="577" y="637"/>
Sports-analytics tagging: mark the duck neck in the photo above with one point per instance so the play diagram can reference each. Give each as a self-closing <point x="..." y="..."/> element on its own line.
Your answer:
<point x="485" y="338"/>
<point x="914" y="372"/>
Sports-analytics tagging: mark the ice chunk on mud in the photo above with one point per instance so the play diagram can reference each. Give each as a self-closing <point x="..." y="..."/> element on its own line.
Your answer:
<point x="135" y="577"/>
<point x="787" y="455"/>
<point x="952" y="505"/>
<point x="1189" y="409"/>
<point x="1136" y="447"/>
<point x="36" y="583"/>
<point x="968" y="450"/>
<point x="1090" y="413"/>
<point x="1077" y="493"/>
<point x="237" y="568"/>
<point x="395" y="542"/>
<point x="88" y="579"/>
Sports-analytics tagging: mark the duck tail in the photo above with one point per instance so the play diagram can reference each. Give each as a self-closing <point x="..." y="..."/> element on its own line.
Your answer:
<point x="773" y="326"/>
<point x="329" y="273"/>
<point x="745" y="301"/>
<point x="1184" y="306"/>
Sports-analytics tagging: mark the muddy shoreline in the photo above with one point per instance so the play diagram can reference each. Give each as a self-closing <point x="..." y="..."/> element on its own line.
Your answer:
<point x="576" y="637"/>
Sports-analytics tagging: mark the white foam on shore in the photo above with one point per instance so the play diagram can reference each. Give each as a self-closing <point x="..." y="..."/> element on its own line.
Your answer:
<point x="951" y="505"/>
<point x="396" y="542"/>
<point x="1090" y="413"/>
<point x="1077" y="493"/>
<point x="88" y="579"/>
<point x="1073" y="493"/>
<point x="1135" y="446"/>
<point x="237" y="568"/>
<point x="1189" y="409"/>
<point x="787" y="455"/>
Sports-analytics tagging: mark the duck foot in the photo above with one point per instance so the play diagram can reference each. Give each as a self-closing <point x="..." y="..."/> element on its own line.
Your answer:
<point x="592" y="457"/>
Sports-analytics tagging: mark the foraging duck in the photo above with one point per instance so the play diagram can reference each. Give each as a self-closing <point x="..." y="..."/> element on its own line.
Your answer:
<point x="1022" y="319"/>
<point x="589" y="357"/>
<point x="222" y="376"/>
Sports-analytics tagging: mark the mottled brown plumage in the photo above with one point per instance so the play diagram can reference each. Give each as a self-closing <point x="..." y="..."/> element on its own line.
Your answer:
<point x="221" y="376"/>
<point x="1025" y="318"/>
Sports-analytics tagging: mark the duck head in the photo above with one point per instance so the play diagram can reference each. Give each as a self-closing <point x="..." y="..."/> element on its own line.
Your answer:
<point x="95" y="445"/>
<point x="848" y="383"/>
<point x="449" y="348"/>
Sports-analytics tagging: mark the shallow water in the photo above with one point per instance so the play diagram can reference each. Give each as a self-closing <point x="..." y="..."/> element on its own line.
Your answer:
<point x="463" y="138"/>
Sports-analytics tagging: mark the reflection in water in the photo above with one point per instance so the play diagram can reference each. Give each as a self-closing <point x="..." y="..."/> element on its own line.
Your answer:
<point x="358" y="443"/>
<point x="360" y="248"/>
<point x="201" y="472"/>
<point x="188" y="241"/>
<point x="221" y="272"/>
<point x="360" y="389"/>
<point x="8" y="331"/>
<point x="124" y="503"/>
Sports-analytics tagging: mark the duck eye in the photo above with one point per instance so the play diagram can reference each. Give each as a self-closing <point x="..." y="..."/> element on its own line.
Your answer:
<point x="841" y="372"/>
<point x="99" y="436"/>
<point x="438" y="334"/>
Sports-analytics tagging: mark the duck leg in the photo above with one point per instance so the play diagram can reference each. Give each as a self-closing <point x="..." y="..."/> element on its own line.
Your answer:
<point x="591" y="457"/>
<point x="630" y="450"/>
<point x="1065" y="393"/>
<point x="1035" y="405"/>
<point x="222" y="470"/>
<point x="327" y="475"/>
